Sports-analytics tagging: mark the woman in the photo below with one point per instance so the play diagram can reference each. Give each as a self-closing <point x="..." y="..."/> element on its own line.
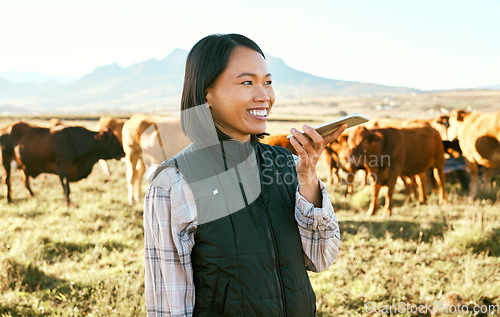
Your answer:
<point x="231" y="224"/>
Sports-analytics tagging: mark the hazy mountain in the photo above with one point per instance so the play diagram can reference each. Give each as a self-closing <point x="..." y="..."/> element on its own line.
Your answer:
<point x="34" y="77"/>
<point x="492" y="87"/>
<point x="156" y="85"/>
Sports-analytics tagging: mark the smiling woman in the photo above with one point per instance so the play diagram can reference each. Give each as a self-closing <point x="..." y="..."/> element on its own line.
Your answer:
<point x="241" y="101"/>
<point x="231" y="224"/>
<point x="233" y="80"/>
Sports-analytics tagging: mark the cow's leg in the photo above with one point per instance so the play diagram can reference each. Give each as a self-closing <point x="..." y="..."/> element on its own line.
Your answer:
<point x="350" y="184"/>
<point x="433" y="181"/>
<point x="374" y="203"/>
<point x="67" y="191"/>
<point x="364" y="178"/>
<point x="6" y="169"/>
<point x="440" y="180"/>
<point x="131" y="163"/>
<point x="335" y="176"/>
<point x="487" y="173"/>
<point x="391" y="184"/>
<point x="410" y="188"/>
<point x="473" y="170"/>
<point x="65" y="185"/>
<point x="141" y="169"/>
<point x="105" y="167"/>
<point x="463" y="177"/>
<point x="135" y="173"/>
<point x="421" y="180"/>
<point x="26" y="179"/>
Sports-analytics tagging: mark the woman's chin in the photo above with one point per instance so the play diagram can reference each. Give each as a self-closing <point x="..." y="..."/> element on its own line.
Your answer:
<point x="258" y="130"/>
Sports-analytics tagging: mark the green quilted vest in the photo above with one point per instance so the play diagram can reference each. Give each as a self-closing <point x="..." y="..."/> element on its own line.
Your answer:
<point x="247" y="261"/>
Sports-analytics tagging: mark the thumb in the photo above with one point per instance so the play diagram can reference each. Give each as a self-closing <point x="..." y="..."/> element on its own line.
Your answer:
<point x="335" y="134"/>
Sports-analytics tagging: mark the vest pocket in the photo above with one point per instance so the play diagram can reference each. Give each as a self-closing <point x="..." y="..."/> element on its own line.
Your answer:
<point x="220" y="294"/>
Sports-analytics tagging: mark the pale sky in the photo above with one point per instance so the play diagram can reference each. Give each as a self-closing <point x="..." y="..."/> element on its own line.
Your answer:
<point x="420" y="44"/>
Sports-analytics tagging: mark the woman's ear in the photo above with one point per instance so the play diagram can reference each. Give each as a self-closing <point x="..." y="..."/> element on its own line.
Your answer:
<point x="208" y="97"/>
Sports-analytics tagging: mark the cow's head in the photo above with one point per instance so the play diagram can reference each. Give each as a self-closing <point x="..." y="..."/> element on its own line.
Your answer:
<point x="456" y="119"/>
<point x="441" y="124"/>
<point x="109" y="145"/>
<point x="361" y="145"/>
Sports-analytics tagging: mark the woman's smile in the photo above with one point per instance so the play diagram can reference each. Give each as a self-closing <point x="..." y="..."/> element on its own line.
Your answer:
<point x="259" y="113"/>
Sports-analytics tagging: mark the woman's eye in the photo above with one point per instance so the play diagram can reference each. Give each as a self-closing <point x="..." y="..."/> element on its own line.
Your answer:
<point x="247" y="82"/>
<point x="269" y="82"/>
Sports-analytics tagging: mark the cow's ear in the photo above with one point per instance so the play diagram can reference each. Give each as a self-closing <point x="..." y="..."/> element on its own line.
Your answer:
<point x="444" y="119"/>
<point x="461" y="114"/>
<point x="375" y="136"/>
<point x="99" y="135"/>
<point x="102" y="134"/>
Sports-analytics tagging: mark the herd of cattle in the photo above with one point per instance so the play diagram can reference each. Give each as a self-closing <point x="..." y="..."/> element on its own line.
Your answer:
<point x="384" y="149"/>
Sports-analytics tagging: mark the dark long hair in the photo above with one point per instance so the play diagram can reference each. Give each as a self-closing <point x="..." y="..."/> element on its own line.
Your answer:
<point x="206" y="61"/>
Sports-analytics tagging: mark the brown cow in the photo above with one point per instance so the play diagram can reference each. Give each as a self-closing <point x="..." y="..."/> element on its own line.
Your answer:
<point x="478" y="135"/>
<point x="439" y="123"/>
<point x="147" y="141"/>
<point x="389" y="153"/>
<point x="69" y="152"/>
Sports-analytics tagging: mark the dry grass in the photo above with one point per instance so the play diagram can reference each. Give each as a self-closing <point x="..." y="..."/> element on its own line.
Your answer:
<point x="87" y="259"/>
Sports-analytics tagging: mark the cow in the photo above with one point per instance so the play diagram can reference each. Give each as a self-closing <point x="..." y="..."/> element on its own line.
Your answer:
<point x="147" y="141"/>
<point x="389" y="153"/>
<point x="116" y="126"/>
<point x="70" y="152"/>
<point x="478" y="135"/>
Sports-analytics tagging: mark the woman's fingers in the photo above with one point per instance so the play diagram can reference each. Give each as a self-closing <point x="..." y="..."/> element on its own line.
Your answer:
<point x="315" y="136"/>
<point x="335" y="135"/>
<point x="303" y="140"/>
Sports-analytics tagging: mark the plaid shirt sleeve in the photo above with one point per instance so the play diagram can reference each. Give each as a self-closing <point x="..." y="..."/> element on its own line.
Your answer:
<point x="319" y="230"/>
<point x="170" y="220"/>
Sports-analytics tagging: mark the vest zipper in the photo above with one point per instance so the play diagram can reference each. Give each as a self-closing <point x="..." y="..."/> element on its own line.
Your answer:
<point x="272" y="244"/>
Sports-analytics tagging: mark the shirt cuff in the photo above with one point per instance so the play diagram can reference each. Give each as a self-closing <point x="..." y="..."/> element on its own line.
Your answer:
<point x="315" y="218"/>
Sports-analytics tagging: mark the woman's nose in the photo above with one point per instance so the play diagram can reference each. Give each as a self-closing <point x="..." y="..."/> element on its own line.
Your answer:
<point x="263" y="93"/>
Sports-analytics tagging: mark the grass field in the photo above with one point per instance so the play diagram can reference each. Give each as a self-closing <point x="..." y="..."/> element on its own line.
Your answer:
<point x="87" y="259"/>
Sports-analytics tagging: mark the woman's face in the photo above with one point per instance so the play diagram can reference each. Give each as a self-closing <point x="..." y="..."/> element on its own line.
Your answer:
<point x="242" y="96"/>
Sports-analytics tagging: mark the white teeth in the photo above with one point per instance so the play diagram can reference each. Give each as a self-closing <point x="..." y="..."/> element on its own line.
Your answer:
<point x="260" y="113"/>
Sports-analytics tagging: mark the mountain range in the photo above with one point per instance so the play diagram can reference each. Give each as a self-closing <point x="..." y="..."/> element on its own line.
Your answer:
<point x="152" y="86"/>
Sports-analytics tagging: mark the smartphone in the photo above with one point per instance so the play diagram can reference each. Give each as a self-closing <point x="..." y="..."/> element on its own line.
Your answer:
<point x="327" y="128"/>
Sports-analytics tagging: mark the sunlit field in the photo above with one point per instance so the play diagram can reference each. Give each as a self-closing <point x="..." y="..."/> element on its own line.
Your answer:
<point x="87" y="259"/>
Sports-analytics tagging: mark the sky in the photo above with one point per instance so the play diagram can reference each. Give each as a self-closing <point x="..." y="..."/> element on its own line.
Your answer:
<point x="419" y="44"/>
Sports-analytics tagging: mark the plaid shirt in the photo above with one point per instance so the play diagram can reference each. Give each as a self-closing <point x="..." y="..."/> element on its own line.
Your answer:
<point x="170" y="221"/>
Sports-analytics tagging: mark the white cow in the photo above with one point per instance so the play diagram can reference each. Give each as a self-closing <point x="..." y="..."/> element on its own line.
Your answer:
<point x="148" y="140"/>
